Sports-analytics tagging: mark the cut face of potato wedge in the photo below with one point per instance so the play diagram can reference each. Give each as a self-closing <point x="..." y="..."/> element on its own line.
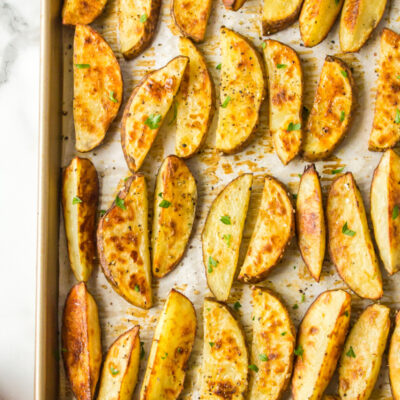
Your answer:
<point x="332" y="110"/>
<point x="350" y="245"/>
<point x="225" y="358"/>
<point x="195" y="102"/>
<point x="276" y="17"/>
<point x="83" y="12"/>
<point x="137" y="25"/>
<point x="170" y="351"/>
<point x="222" y="235"/>
<point x="385" y="203"/>
<point x="310" y="221"/>
<point x="81" y="342"/>
<point x="121" y="367"/>
<point x="274" y="339"/>
<point x="394" y="360"/>
<point x="242" y="91"/>
<point x="285" y="88"/>
<point x="97" y="88"/>
<point x="316" y="20"/>
<point x="386" y="126"/>
<point x="147" y="108"/>
<point x="80" y="194"/>
<point x="175" y="199"/>
<point x="273" y="230"/>
<point x="123" y="243"/>
<point x="319" y="344"/>
<point x="362" y="354"/>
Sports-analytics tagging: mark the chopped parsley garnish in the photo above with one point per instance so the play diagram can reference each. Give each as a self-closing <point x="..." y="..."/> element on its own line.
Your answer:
<point x="253" y="367"/>
<point x="164" y="203"/>
<point x="395" y="212"/>
<point x="299" y="351"/>
<point x="111" y="96"/>
<point x="293" y="127"/>
<point x="263" y="45"/>
<point x="153" y="121"/>
<point x="346" y="313"/>
<point x="342" y="116"/>
<point x="211" y="263"/>
<point x="120" y="203"/>
<point x="344" y="73"/>
<point x="283" y="333"/>
<point x="102" y="212"/>
<point x="227" y="239"/>
<point x="347" y="231"/>
<point x="143" y="18"/>
<point x="164" y="356"/>
<point x="137" y="288"/>
<point x="226" y="102"/>
<point x="397" y="118"/>
<point x="211" y="344"/>
<point x="263" y="357"/>
<point x="76" y="200"/>
<point x="295" y="307"/>
<point x="113" y="370"/>
<point x="351" y="353"/>
<point x="218" y="66"/>
<point x="82" y="66"/>
<point x="303" y="298"/>
<point x="281" y="66"/>
<point x="226" y="219"/>
<point x="237" y="305"/>
<point x="337" y="171"/>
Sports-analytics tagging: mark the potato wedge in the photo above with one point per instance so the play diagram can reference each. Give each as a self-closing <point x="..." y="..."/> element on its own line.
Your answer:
<point x="385" y="203"/>
<point x="75" y="12"/>
<point x="385" y="131"/>
<point x="316" y="20"/>
<point x="276" y="17"/>
<point x="359" y="18"/>
<point x="310" y="221"/>
<point x="329" y="397"/>
<point x="97" y="88"/>
<point x="222" y="235"/>
<point x="123" y="243"/>
<point x="242" y="91"/>
<point x="81" y="342"/>
<point x="137" y="23"/>
<point x="233" y="5"/>
<point x="225" y="359"/>
<point x="394" y="360"/>
<point x="274" y="339"/>
<point x="350" y="245"/>
<point x="195" y="102"/>
<point x="121" y="367"/>
<point x="362" y="354"/>
<point x="272" y="233"/>
<point x="175" y="198"/>
<point x="319" y="343"/>
<point x="285" y="88"/>
<point x="147" y="108"/>
<point x="170" y="351"/>
<point x="332" y="111"/>
<point x="80" y="195"/>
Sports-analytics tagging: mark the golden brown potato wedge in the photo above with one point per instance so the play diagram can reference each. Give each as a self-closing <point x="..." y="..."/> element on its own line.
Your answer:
<point x="225" y="359"/>
<point x="81" y="342"/>
<point x="83" y="12"/>
<point x="121" y="367"/>
<point x="310" y="221"/>
<point x="329" y="397"/>
<point x="123" y="243"/>
<point x="272" y="233"/>
<point x="362" y="354"/>
<point x="80" y="194"/>
<point x="350" y="244"/>
<point x="394" y="360"/>
<point x="285" y="88"/>
<point x="317" y="18"/>
<point x="97" y="88"/>
<point x="195" y="102"/>
<point x="170" y="351"/>
<point x="319" y="343"/>
<point x="175" y="200"/>
<point x="332" y="111"/>
<point x="137" y="25"/>
<point x="276" y="16"/>
<point x="274" y="339"/>
<point x="385" y="132"/>
<point x="233" y="5"/>
<point x="147" y="108"/>
<point x="222" y="235"/>
<point x="242" y="91"/>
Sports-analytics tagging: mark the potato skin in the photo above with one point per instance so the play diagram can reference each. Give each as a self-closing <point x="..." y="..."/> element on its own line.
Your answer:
<point x="393" y="358"/>
<point x="275" y="18"/>
<point x="75" y="12"/>
<point x="233" y="5"/>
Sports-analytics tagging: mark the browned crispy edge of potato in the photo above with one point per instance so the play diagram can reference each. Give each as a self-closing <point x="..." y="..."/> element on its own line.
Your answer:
<point x="269" y="28"/>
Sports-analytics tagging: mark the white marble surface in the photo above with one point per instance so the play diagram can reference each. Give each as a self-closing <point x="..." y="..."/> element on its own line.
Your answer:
<point x="19" y="100"/>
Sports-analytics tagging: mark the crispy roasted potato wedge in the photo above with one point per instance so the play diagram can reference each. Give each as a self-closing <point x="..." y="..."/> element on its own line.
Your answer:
<point x="272" y="233"/>
<point x="137" y="25"/>
<point x="359" y="18"/>
<point x="242" y="91"/>
<point x="195" y="102"/>
<point x="175" y="199"/>
<point x="285" y="88"/>
<point x="310" y="221"/>
<point x="319" y="343"/>
<point x="317" y="18"/>
<point x="332" y="111"/>
<point x="274" y="339"/>
<point x="83" y="12"/>
<point x="233" y="5"/>
<point x="123" y="243"/>
<point x="385" y="131"/>
<point x="97" y="88"/>
<point x="147" y="108"/>
<point x="276" y="17"/>
<point x="81" y="342"/>
<point x="362" y="354"/>
<point x="80" y="194"/>
<point x="350" y="244"/>
<point x="225" y="359"/>
<point x="170" y="351"/>
<point x="394" y="360"/>
<point x="222" y="235"/>
<point x="121" y="367"/>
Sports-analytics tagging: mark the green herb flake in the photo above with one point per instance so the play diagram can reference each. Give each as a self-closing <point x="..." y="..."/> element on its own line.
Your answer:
<point x="397" y="118"/>
<point x="395" y="212"/>
<point x="82" y="66"/>
<point x="76" y="200"/>
<point x="227" y="239"/>
<point x="113" y="370"/>
<point x="175" y="110"/>
<point x="153" y="121"/>
<point x="180" y="350"/>
<point x="218" y="66"/>
<point x="342" y="116"/>
<point x="120" y="203"/>
<point x="299" y="351"/>
<point x="293" y="127"/>
<point x="226" y="102"/>
<point x="142" y="352"/>
<point x="303" y="298"/>
<point x="102" y="213"/>
<point x="346" y="313"/>
<point x="337" y="2"/>
<point x="111" y="96"/>
<point x="347" y="231"/>
<point x="137" y="288"/>
<point x="143" y="18"/>
<point x="344" y="73"/>
<point x="164" y="203"/>
<point x="63" y="349"/>
<point x="263" y="357"/>
<point x="237" y="305"/>
<point x="337" y="171"/>
<point x="226" y="219"/>
<point x="398" y="76"/>
<point x="253" y="367"/>
<point x="211" y="263"/>
<point x="294" y="195"/>
<point x="281" y="66"/>
<point x="295" y="307"/>
<point x="211" y="344"/>
<point x="160" y="194"/>
<point x="263" y="45"/>
<point x="164" y="356"/>
<point x="350" y="353"/>
<point x="283" y="333"/>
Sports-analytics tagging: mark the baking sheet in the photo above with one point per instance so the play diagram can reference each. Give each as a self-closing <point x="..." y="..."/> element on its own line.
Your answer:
<point x="213" y="171"/>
